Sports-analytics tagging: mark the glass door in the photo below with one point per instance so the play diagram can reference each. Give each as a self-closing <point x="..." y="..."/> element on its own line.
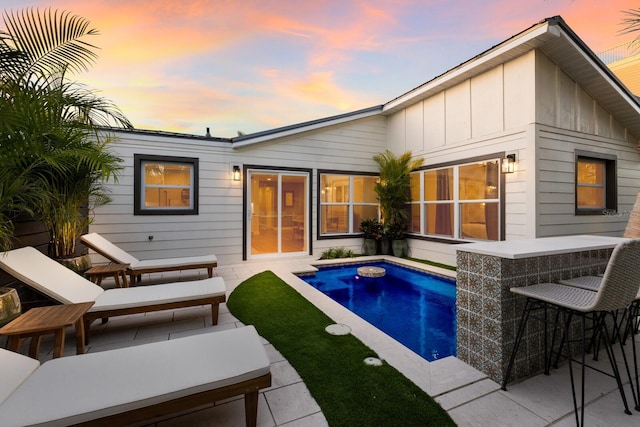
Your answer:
<point x="277" y="213"/>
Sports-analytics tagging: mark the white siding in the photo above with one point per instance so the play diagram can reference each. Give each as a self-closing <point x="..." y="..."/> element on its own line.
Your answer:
<point x="487" y="103"/>
<point x="433" y="251"/>
<point x="570" y="119"/>
<point x="527" y="106"/>
<point x="414" y="118"/>
<point x="531" y="108"/>
<point x="434" y="123"/>
<point x="491" y="113"/>
<point x="556" y="183"/>
<point x="458" y="113"/>
<point x="501" y="99"/>
<point x="218" y="226"/>
<point x="396" y="132"/>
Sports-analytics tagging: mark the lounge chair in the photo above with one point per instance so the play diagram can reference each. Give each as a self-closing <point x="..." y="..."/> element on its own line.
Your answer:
<point x="56" y="281"/>
<point x="134" y="384"/>
<point x="138" y="267"/>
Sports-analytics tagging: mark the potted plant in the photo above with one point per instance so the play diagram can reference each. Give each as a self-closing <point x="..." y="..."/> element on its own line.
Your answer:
<point x="18" y="196"/>
<point x="394" y="193"/>
<point x="396" y="235"/>
<point x="68" y="209"/>
<point x="372" y="233"/>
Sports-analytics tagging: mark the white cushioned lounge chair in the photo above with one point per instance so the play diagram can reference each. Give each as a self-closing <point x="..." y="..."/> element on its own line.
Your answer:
<point x="138" y="267"/>
<point x="56" y="281"/>
<point x="134" y="384"/>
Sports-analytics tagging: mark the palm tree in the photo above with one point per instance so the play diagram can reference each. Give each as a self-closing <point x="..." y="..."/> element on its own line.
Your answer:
<point x="394" y="189"/>
<point x="631" y="23"/>
<point x="50" y="126"/>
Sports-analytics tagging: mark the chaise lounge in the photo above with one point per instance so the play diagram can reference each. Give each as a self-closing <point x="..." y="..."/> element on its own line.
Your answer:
<point x="134" y="384"/>
<point x="138" y="267"/>
<point x="56" y="281"/>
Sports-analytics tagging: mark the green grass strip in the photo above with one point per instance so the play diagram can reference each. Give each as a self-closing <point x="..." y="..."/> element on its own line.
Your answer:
<point x="435" y="264"/>
<point x="349" y="392"/>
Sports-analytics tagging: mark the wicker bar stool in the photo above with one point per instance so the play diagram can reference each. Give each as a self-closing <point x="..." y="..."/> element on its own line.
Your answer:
<point x="617" y="290"/>
<point x="628" y="321"/>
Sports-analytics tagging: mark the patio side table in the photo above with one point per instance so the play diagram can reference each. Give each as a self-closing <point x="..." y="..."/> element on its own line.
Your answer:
<point x="47" y="320"/>
<point x="117" y="271"/>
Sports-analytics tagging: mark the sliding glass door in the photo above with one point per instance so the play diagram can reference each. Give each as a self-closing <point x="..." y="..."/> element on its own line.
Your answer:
<point x="277" y="213"/>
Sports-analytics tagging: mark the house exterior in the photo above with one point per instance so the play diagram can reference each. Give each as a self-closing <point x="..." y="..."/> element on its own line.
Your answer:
<point x="541" y="97"/>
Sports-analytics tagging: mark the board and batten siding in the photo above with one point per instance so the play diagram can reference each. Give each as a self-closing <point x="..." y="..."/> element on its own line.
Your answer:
<point x="569" y="119"/>
<point x="490" y="113"/>
<point x="217" y="228"/>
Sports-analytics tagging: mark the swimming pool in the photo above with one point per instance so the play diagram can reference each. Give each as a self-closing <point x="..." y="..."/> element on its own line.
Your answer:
<point x="415" y="308"/>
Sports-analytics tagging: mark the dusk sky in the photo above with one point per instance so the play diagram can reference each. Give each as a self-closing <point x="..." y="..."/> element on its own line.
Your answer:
<point x="185" y="65"/>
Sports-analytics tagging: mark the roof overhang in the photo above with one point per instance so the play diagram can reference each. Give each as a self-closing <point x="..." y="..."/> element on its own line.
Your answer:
<point x="255" y="138"/>
<point x="555" y="39"/>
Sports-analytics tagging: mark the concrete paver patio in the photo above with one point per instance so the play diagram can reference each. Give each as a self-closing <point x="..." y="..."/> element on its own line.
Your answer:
<point x="467" y="394"/>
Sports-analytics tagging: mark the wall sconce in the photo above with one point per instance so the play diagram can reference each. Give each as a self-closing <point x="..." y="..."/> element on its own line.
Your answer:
<point x="509" y="163"/>
<point x="236" y="173"/>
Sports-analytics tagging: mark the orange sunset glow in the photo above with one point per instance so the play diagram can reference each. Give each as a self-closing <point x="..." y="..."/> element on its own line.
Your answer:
<point x="185" y="65"/>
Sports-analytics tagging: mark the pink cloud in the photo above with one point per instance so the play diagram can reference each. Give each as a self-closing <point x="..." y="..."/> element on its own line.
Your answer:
<point x="175" y="63"/>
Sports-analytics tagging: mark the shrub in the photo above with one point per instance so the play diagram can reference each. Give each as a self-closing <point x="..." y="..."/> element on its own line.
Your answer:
<point x="333" y="253"/>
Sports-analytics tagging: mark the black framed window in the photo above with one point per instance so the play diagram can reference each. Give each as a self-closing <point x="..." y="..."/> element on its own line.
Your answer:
<point x="165" y="185"/>
<point x="345" y="200"/>
<point x="595" y="183"/>
<point x="458" y="200"/>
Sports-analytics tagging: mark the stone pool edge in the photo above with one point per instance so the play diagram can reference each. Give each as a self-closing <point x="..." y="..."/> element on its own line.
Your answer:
<point x="436" y="378"/>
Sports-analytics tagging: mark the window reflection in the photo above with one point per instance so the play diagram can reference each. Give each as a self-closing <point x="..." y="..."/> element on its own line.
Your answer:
<point x="460" y="201"/>
<point x="345" y="201"/>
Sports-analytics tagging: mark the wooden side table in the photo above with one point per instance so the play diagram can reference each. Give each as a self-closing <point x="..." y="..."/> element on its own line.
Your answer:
<point x="47" y="320"/>
<point x="117" y="271"/>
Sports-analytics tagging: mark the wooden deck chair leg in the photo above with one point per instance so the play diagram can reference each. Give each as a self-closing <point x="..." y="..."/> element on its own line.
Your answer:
<point x="215" y="308"/>
<point x="251" y="408"/>
<point x="87" y="329"/>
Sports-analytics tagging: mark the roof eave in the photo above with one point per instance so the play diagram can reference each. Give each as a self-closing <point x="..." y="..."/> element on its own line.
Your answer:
<point x="258" y="137"/>
<point x="531" y="38"/>
<point x="556" y="39"/>
<point x="596" y="79"/>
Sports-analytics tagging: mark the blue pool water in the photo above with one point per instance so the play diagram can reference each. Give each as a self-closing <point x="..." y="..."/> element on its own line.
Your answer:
<point x="415" y="308"/>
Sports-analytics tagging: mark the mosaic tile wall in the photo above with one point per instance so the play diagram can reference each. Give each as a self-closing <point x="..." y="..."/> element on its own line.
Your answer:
<point x="489" y="314"/>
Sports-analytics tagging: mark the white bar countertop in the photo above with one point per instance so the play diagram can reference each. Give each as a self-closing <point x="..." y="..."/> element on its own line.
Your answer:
<point x="527" y="248"/>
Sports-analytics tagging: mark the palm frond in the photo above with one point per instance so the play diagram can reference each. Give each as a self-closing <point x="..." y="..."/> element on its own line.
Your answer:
<point x="51" y="40"/>
<point x="631" y="24"/>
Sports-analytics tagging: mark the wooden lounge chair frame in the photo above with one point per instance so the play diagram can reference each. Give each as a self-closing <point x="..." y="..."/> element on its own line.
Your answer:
<point x="236" y="364"/>
<point x="137" y="268"/>
<point x="215" y="302"/>
<point x="248" y="388"/>
<point x="40" y="272"/>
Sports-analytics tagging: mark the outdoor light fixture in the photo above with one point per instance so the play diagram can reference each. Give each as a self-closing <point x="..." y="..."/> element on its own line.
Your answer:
<point x="236" y="173"/>
<point x="509" y="163"/>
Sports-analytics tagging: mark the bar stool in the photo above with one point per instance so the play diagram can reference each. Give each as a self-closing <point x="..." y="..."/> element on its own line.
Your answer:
<point x="628" y="321"/>
<point x="617" y="290"/>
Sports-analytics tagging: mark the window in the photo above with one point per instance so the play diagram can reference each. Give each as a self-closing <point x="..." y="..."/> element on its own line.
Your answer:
<point x="457" y="202"/>
<point x="346" y="200"/>
<point x="595" y="183"/>
<point x="165" y="185"/>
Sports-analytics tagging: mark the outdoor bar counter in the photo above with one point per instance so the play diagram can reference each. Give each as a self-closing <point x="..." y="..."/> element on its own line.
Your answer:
<point x="488" y="314"/>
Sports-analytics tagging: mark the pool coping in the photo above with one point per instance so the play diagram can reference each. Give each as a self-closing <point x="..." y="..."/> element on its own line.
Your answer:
<point x="449" y="380"/>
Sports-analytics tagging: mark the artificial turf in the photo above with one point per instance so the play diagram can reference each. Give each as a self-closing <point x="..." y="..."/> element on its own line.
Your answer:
<point x="349" y="392"/>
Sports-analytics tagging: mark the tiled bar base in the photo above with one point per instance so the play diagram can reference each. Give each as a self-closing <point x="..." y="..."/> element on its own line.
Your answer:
<point x="488" y="314"/>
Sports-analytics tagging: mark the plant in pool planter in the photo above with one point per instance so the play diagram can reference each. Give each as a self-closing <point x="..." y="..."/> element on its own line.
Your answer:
<point x="333" y="253"/>
<point x="394" y="192"/>
<point x="372" y="232"/>
<point x="396" y="234"/>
